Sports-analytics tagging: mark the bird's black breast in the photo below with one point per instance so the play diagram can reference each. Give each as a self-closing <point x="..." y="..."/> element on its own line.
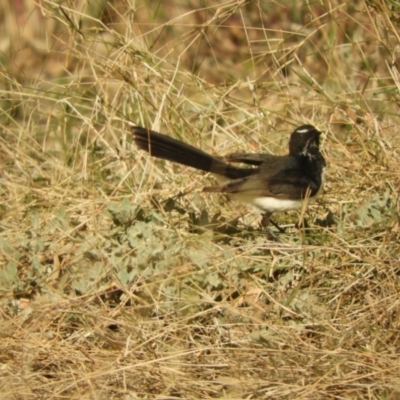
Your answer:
<point x="294" y="176"/>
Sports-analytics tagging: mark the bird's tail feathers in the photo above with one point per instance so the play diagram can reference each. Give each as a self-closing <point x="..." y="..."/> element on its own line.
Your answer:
<point x="167" y="148"/>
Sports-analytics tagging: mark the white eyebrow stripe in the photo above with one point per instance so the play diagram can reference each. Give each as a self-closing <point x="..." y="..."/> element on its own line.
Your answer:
<point x="303" y="130"/>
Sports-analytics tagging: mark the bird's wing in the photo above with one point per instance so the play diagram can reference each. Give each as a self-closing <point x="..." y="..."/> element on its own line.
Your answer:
<point x="288" y="184"/>
<point x="251" y="159"/>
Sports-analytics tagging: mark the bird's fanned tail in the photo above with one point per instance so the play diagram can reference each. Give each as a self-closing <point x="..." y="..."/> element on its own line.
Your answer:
<point x="167" y="148"/>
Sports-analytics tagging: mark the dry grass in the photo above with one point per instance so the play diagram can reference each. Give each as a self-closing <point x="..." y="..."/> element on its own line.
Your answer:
<point x="112" y="286"/>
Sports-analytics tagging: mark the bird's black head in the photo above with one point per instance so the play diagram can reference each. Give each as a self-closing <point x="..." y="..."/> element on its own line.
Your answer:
<point x="304" y="141"/>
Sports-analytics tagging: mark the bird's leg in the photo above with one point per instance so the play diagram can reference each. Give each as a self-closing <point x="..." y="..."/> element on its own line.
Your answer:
<point x="266" y="220"/>
<point x="281" y="230"/>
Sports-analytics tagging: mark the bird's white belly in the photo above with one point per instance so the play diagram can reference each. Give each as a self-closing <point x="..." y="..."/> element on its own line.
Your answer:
<point x="271" y="204"/>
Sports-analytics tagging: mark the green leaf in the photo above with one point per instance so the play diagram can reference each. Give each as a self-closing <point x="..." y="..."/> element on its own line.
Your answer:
<point x="123" y="213"/>
<point x="378" y="209"/>
<point x="9" y="279"/>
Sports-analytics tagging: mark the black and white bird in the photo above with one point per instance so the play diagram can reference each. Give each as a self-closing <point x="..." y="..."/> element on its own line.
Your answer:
<point x="272" y="183"/>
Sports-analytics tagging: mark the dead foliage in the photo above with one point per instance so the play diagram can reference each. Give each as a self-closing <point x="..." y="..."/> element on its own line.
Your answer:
<point x="119" y="279"/>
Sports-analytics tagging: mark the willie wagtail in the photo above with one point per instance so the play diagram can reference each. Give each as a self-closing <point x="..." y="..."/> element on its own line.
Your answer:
<point x="273" y="183"/>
